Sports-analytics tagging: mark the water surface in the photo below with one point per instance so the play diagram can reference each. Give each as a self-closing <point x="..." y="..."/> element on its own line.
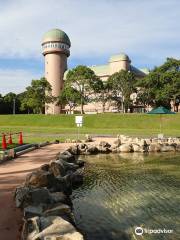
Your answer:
<point x="123" y="191"/>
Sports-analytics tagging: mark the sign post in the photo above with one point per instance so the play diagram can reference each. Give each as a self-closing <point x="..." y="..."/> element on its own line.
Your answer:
<point x="79" y="123"/>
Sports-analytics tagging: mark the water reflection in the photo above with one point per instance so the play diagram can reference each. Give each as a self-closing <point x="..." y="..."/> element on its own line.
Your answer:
<point x="122" y="191"/>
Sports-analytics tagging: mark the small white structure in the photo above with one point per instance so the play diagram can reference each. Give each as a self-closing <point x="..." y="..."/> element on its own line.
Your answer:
<point x="79" y="121"/>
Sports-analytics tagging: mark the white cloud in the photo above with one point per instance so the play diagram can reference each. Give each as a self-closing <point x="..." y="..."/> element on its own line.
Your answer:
<point x="96" y="28"/>
<point x="15" y="80"/>
<point x="147" y="30"/>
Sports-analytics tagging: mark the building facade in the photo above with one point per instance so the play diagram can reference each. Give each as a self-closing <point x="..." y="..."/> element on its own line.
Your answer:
<point x="56" y="49"/>
<point x="115" y="64"/>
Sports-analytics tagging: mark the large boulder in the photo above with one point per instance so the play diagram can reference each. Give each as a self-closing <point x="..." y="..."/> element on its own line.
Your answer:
<point x="67" y="156"/>
<point x="104" y="144"/>
<point x="39" y="178"/>
<point x="104" y="147"/>
<point x="51" y="228"/>
<point x="57" y="168"/>
<point x="92" y="150"/>
<point x="168" y="148"/>
<point x="178" y="147"/>
<point x="74" y="150"/>
<point x="154" y="147"/>
<point x="69" y="166"/>
<point x="25" y="196"/>
<point x="21" y="195"/>
<point x="138" y="148"/>
<point x="76" y="179"/>
<point x="126" y="147"/>
<point x="58" y="197"/>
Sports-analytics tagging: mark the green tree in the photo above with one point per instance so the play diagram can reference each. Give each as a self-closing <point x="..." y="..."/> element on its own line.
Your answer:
<point x="84" y="80"/>
<point x="122" y="85"/>
<point x="162" y="85"/>
<point x="69" y="96"/>
<point x="103" y="95"/>
<point x="37" y="95"/>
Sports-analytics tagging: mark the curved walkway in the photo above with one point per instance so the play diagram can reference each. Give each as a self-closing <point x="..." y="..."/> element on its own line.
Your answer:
<point x="12" y="173"/>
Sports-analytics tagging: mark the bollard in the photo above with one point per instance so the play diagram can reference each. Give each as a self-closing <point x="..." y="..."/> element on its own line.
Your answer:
<point x="20" y="138"/>
<point x="10" y="139"/>
<point x="4" y="144"/>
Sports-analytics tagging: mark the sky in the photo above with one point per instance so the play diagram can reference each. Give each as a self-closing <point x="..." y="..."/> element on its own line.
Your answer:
<point x="148" y="31"/>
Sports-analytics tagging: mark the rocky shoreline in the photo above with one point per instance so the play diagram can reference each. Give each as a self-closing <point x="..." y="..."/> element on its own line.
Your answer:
<point x="127" y="144"/>
<point x="44" y="198"/>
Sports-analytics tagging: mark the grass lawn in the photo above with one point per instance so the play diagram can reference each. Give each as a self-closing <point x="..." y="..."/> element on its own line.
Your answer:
<point x="39" y="128"/>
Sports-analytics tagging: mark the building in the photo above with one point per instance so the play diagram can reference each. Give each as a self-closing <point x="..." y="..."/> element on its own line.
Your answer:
<point x="115" y="64"/>
<point x="55" y="48"/>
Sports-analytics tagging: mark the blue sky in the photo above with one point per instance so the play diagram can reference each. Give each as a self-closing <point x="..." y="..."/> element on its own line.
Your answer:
<point x="148" y="31"/>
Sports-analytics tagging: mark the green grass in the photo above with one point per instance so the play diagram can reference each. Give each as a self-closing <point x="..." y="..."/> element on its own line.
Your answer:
<point x="39" y="128"/>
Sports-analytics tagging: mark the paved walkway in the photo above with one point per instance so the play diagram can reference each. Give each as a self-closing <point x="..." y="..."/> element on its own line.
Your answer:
<point x="12" y="173"/>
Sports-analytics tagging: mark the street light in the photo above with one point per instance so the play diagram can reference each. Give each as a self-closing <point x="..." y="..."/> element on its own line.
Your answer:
<point x="14" y="106"/>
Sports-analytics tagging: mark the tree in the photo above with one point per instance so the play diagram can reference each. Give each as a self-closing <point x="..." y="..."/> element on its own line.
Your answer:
<point x="122" y="85"/>
<point x="69" y="96"/>
<point x="103" y="95"/>
<point x="162" y="85"/>
<point x="37" y="95"/>
<point x="84" y="80"/>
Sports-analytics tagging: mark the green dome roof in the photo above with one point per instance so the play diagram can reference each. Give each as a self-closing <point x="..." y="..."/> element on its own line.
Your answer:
<point x="56" y="35"/>
<point x="119" y="57"/>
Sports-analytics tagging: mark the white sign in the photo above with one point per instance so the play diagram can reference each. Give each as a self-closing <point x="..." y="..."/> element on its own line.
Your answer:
<point x="79" y="119"/>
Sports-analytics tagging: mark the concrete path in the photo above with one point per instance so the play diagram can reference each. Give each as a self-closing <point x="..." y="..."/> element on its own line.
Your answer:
<point x="12" y="173"/>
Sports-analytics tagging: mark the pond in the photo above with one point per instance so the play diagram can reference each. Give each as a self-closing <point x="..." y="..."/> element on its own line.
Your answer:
<point x="124" y="191"/>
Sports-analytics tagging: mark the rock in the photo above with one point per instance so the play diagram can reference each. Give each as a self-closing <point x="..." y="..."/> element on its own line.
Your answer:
<point x="59" y="210"/>
<point x="104" y="147"/>
<point x="137" y="148"/>
<point x="178" y="147"/>
<point x="58" y="197"/>
<point x="104" y="144"/>
<point x="39" y="178"/>
<point x="21" y="195"/>
<point x="74" y="150"/>
<point x="40" y="195"/>
<point x="76" y="179"/>
<point x="44" y="167"/>
<point x="80" y="163"/>
<point x="32" y="196"/>
<point x="154" y="147"/>
<point x="57" y="168"/>
<point x="68" y="157"/>
<point x="167" y="148"/>
<point x="62" y="184"/>
<point x="69" y="166"/>
<point x="125" y="148"/>
<point x="88" y="138"/>
<point x="92" y="150"/>
<point x="54" y="226"/>
<point x="104" y="150"/>
<point x="32" y="211"/>
<point x="30" y="228"/>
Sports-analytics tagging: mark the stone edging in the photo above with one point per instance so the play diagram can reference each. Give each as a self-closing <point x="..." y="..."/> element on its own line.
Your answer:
<point x="44" y="198"/>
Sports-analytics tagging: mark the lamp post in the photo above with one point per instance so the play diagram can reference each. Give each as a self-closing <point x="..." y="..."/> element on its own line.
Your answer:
<point x="14" y="106"/>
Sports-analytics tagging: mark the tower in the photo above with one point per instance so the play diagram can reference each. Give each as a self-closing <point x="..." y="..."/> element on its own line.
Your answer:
<point x="119" y="62"/>
<point x="55" y="48"/>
